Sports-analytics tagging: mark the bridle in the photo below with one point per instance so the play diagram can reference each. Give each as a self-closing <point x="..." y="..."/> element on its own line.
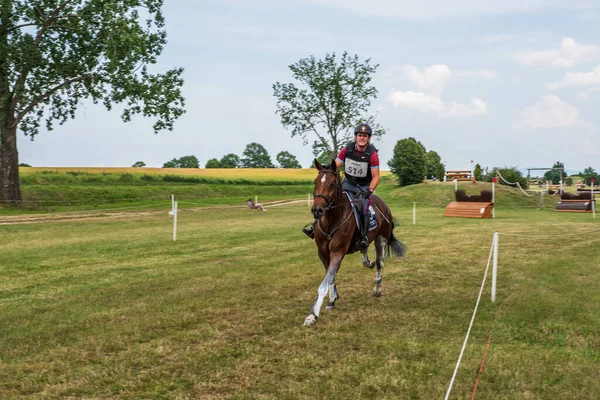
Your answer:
<point x="328" y="200"/>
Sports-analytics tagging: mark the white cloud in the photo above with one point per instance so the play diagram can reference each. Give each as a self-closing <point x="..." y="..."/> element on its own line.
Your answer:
<point x="456" y="110"/>
<point x="567" y="55"/>
<point x="585" y="95"/>
<point x="431" y="82"/>
<point x="572" y="79"/>
<point x="484" y="73"/>
<point x="424" y="102"/>
<point x="415" y="101"/>
<point x="438" y="8"/>
<point x="550" y="112"/>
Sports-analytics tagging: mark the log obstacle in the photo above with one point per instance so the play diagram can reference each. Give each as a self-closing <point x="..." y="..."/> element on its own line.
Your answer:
<point x="580" y="202"/>
<point x="459" y="175"/>
<point x="474" y="206"/>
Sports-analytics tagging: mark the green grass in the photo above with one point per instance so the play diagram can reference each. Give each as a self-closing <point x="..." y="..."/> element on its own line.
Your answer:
<point x="113" y="308"/>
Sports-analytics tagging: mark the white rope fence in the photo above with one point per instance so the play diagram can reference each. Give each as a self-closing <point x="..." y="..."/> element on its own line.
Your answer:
<point x="517" y="185"/>
<point x="493" y="251"/>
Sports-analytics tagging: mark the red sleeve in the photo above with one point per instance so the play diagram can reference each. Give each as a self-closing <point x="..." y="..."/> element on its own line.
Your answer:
<point x="374" y="162"/>
<point x="342" y="155"/>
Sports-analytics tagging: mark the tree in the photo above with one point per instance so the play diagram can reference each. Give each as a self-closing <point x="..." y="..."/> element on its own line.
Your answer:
<point x="511" y="175"/>
<point x="435" y="167"/>
<point x="588" y="174"/>
<point x="230" y="161"/>
<point x="335" y="97"/>
<point x="183" y="162"/>
<point x="213" y="163"/>
<point x="478" y="173"/>
<point x="409" y="162"/>
<point x="287" y="160"/>
<point x="24" y="165"/>
<point x="256" y="156"/>
<point x="54" y="54"/>
<point x="138" y="164"/>
<point x="554" y="174"/>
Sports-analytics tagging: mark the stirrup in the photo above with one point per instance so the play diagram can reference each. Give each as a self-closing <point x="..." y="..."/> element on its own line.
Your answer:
<point x="309" y="231"/>
<point x="363" y="243"/>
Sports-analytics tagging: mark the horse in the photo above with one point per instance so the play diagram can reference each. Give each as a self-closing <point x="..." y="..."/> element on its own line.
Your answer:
<point x="336" y="235"/>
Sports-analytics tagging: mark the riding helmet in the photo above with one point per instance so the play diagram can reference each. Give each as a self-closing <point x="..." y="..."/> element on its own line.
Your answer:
<point x="363" y="128"/>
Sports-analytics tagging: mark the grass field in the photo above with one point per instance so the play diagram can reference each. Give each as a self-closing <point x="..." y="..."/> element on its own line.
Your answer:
<point x="112" y="308"/>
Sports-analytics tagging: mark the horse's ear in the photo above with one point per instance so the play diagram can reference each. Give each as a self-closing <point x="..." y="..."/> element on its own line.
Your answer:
<point x="333" y="165"/>
<point x="317" y="164"/>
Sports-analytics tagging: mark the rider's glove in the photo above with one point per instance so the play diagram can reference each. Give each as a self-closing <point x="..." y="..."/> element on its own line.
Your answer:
<point x="367" y="193"/>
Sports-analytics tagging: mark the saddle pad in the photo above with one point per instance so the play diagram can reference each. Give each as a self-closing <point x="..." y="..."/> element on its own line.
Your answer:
<point x="356" y="209"/>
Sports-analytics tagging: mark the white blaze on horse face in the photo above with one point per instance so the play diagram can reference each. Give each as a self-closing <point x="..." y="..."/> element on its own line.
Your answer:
<point x="323" y="179"/>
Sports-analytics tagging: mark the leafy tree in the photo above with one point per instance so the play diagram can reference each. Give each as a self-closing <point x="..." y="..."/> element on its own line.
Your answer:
<point x="54" y="54"/>
<point x="478" y="173"/>
<point x="511" y="174"/>
<point x="435" y="167"/>
<point x="24" y="165"/>
<point x="230" y="161"/>
<point x="554" y="175"/>
<point x="287" y="160"/>
<point x="409" y="162"/>
<point x="213" y="163"/>
<point x="256" y="156"/>
<point x="333" y="98"/>
<point x="325" y="157"/>
<point x="139" y="164"/>
<point x="588" y="174"/>
<point x="183" y="162"/>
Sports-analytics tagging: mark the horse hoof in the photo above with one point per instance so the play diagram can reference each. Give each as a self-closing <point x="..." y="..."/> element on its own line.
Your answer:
<point x="330" y="306"/>
<point x="310" y="320"/>
<point x="377" y="292"/>
<point x="368" y="264"/>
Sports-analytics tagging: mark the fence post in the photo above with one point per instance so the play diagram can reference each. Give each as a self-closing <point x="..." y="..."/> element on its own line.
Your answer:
<point x="494" y="265"/>
<point x="175" y="222"/>
<point x="593" y="201"/>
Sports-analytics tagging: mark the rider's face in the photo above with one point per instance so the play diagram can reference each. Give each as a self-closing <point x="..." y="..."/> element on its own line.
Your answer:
<point x="362" y="139"/>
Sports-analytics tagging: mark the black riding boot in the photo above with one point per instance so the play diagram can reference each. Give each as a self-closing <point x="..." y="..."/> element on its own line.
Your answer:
<point x="364" y="231"/>
<point x="309" y="229"/>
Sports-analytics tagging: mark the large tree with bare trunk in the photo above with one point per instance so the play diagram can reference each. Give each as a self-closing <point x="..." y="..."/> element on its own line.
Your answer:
<point x="54" y="53"/>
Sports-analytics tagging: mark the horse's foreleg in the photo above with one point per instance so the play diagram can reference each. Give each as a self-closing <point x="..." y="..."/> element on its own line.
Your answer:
<point x="333" y="295"/>
<point x="380" y="244"/>
<point x="324" y="287"/>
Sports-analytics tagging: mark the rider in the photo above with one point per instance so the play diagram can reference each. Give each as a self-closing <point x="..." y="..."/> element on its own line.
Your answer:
<point x="361" y="168"/>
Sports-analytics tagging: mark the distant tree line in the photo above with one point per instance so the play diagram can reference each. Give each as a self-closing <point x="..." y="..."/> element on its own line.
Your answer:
<point x="254" y="156"/>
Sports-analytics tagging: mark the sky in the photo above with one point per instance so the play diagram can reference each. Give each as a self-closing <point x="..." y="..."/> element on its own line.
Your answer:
<point x="498" y="83"/>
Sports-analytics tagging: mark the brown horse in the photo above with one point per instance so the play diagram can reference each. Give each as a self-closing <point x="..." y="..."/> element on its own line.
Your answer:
<point x="336" y="234"/>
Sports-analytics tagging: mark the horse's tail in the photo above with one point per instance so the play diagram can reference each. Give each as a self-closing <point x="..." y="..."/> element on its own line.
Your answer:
<point x="395" y="248"/>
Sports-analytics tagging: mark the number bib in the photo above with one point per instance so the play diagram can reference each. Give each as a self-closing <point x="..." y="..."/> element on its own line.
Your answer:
<point x="355" y="168"/>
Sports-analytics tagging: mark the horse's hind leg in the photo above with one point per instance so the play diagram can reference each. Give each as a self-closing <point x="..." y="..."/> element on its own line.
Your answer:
<point x="380" y="243"/>
<point x="365" y="260"/>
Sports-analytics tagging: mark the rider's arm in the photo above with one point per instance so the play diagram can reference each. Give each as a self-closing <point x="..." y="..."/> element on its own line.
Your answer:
<point x="375" y="180"/>
<point x="341" y="157"/>
<point x="374" y="163"/>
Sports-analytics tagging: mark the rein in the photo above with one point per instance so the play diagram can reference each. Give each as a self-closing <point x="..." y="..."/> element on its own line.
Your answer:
<point x="331" y="205"/>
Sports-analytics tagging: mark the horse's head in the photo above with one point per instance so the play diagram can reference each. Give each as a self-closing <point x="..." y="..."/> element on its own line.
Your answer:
<point x="327" y="188"/>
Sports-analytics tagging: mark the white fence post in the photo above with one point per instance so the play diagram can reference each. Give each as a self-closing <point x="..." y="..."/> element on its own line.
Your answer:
<point x="593" y="201"/>
<point x="495" y="266"/>
<point x="309" y="199"/>
<point x="175" y="222"/>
